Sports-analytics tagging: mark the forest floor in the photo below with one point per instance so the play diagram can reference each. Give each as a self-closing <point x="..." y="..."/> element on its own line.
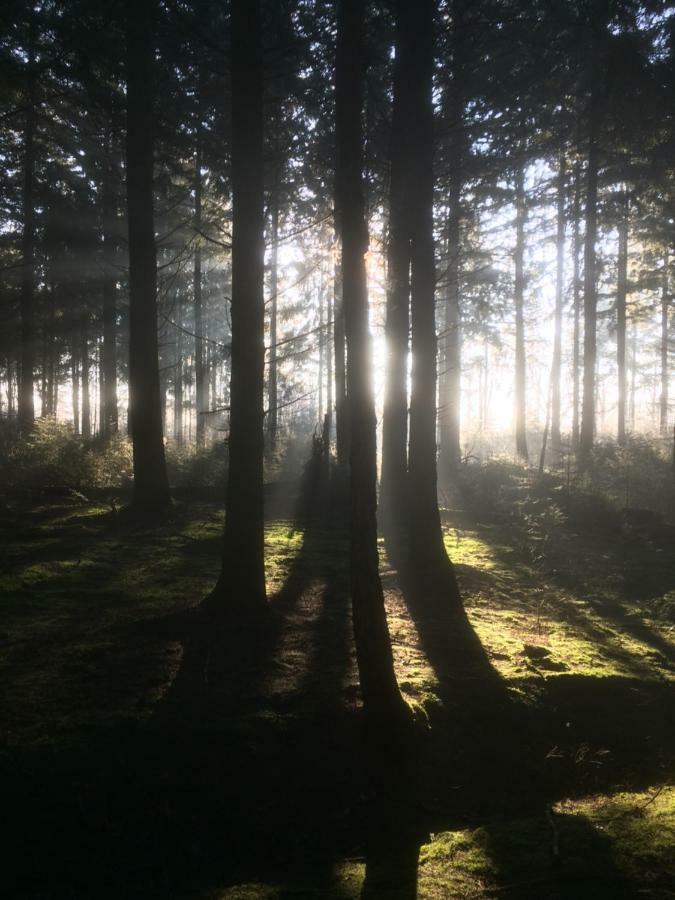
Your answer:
<point x="547" y="750"/>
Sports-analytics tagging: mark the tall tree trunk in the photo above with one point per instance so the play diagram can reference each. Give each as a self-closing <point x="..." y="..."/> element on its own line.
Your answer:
<point x="450" y="385"/>
<point x="75" y="377"/>
<point x="151" y="486"/>
<point x="272" y="389"/>
<point x="621" y="292"/>
<point x="178" y="381"/>
<point x="587" y="431"/>
<point x="26" y="372"/>
<point x="108" y="374"/>
<point x="576" y="304"/>
<point x="519" y="296"/>
<point x="633" y="374"/>
<point x="242" y="579"/>
<point x="393" y="477"/>
<point x="329" y="364"/>
<point x="322" y="348"/>
<point x="339" y="350"/>
<point x="109" y="416"/>
<point x="427" y="546"/>
<point x="665" y="308"/>
<point x="51" y="357"/>
<point x="201" y="387"/>
<point x="44" y="353"/>
<point x="382" y="700"/>
<point x="84" y="356"/>
<point x="556" y="441"/>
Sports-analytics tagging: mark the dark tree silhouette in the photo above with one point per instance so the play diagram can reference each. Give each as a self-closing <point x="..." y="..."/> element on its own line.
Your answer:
<point x="519" y="298"/>
<point x="242" y="580"/>
<point x="426" y="535"/>
<point x="383" y="704"/>
<point x="26" y="372"/>
<point x="393" y="477"/>
<point x="151" y="485"/>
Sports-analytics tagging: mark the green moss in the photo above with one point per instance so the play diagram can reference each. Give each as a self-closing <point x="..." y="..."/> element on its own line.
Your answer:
<point x="640" y="828"/>
<point x="455" y="864"/>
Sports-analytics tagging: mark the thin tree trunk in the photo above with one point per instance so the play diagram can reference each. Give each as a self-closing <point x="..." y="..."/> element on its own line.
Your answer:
<point x="272" y="388"/>
<point x="556" y="441"/>
<point x="341" y="412"/>
<point x="633" y="375"/>
<point x="151" y="486"/>
<point x="450" y="385"/>
<point x="587" y="432"/>
<point x="51" y="358"/>
<point x="427" y="546"/>
<point x="201" y="387"/>
<point x="393" y="477"/>
<point x="329" y="365"/>
<point x="321" y="348"/>
<point x="84" y="356"/>
<point x="665" y="308"/>
<point x="178" y="381"/>
<point x="621" y="292"/>
<point x="519" y="296"/>
<point x="108" y="374"/>
<point x="75" y="378"/>
<point x="576" y="304"/>
<point x="382" y="700"/>
<point x="10" y="389"/>
<point x="242" y="578"/>
<point x="26" y="372"/>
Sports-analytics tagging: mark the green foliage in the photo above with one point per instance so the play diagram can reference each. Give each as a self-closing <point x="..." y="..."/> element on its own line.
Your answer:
<point x="53" y="456"/>
<point x="640" y="474"/>
<point x="189" y="466"/>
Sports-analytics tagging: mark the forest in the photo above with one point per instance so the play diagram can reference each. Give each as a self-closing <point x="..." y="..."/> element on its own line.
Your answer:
<point x="337" y="449"/>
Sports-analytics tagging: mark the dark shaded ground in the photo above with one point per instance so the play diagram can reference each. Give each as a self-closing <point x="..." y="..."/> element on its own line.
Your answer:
<point x="144" y="756"/>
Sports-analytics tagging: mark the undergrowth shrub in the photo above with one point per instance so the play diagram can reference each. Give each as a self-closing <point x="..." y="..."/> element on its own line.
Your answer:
<point x="188" y="466"/>
<point x="52" y="455"/>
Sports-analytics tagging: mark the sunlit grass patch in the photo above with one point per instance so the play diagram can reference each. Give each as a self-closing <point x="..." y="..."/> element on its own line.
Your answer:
<point x="455" y="864"/>
<point x="282" y="544"/>
<point x="520" y="642"/>
<point x="467" y="548"/>
<point x="640" y="828"/>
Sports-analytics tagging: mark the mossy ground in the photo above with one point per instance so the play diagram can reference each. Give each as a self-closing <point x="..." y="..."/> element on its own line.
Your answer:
<point x="551" y="782"/>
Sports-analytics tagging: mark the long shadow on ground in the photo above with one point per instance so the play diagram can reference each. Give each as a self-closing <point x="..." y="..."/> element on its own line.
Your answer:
<point x="496" y="754"/>
<point x="245" y="772"/>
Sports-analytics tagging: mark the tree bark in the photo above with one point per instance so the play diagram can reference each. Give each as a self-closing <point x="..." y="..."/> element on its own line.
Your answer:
<point x="108" y="373"/>
<point x="665" y="309"/>
<point x="242" y="580"/>
<point x="556" y="441"/>
<point x="393" y="477"/>
<point x="27" y="366"/>
<point x="587" y="431"/>
<point x="382" y="700"/>
<point x="519" y="297"/>
<point x="272" y="388"/>
<point x="621" y="293"/>
<point x="178" y="380"/>
<point x="576" y="304"/>
<point x="339" y="350"/>
<point x="427" y="546"/>
<point x="201" y="388"/>
<point x="450" y="385"/>
<point x="84" y="357"/>
<point x="151" y="486"/>
<point x="75" y="378"/>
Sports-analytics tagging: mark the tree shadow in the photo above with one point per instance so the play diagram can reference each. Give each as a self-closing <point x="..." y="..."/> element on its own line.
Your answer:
<point x="557" y="856"/>
<point x="225" y="781"/>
